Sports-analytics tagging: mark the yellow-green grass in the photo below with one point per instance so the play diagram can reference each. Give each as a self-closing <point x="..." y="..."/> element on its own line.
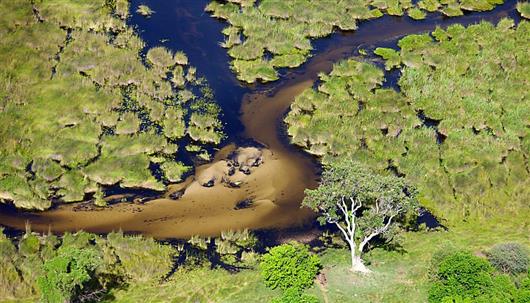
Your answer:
<point x="284" y="29"/>
<point x="80" y="110"/>
<point x="458" y="128"/>
<point x="200" y="285"/>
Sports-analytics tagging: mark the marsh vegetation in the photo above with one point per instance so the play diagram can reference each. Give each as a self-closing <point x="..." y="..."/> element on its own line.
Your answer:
<point x="458" y="126"/>
<point x="82" y="108"/>
<point x="267" y="35"/>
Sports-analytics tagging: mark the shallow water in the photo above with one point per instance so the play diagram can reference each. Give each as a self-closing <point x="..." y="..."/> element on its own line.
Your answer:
<point x="253" y="117"/>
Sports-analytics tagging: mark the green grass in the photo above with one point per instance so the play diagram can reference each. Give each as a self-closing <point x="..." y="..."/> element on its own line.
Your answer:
<point x="398" y="276"/>
<point x="200" y="285"/>
<point x="285" y="28"/>
<point x="471" y="163"/>
<point x="67" y="89"/>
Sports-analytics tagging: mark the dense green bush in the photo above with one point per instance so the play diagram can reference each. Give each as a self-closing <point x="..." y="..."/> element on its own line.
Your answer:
<point x="57" y="267"/>
<point x="80" y="111"/>
<point x="522" y="295"/>
<point x="463" y="277"/>
<point x="445" y="250"/>
<point x="510" y="258"/>
<point x="289" y="266"/>
<point x="66" y="275"/>
<point x="142" y="259"/>
<point x="457" y="127"/>
<point x="278" y="34"/>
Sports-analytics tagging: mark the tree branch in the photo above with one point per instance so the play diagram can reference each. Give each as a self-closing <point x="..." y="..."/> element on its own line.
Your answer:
<point x="375" y="233"/>
<point x="344" y="210"/>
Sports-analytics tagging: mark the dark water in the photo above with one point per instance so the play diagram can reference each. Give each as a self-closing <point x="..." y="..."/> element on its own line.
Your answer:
<point x="183" y="25"/>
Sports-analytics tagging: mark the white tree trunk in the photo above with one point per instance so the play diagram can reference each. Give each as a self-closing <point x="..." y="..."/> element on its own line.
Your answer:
<point x="348" y="231"/>
<point x="357" y="264"/>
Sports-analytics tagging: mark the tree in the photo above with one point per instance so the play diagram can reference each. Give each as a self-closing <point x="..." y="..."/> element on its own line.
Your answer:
<point x="362" y="204"/>
<point x="67" y="274"/>
<point x="289" y="266"/>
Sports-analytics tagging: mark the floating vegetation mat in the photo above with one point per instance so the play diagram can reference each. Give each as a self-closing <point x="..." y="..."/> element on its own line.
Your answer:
<point x="459" y="128"/>
<point x="265" y="35"/>
<point x="81" y="109"/>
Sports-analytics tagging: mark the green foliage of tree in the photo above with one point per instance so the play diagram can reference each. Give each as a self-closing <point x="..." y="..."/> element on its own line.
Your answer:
<point x="289" y="266"/>
<point x="361" y="203"/>
<point x="509" y="258"/>
<point x="67" y="274"/>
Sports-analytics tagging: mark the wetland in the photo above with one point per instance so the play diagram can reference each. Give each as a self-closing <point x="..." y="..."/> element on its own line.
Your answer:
<point x="264" y="151"/>
<point x="254" y="164"/>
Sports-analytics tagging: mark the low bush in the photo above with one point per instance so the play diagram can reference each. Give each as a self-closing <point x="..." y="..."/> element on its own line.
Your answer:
<point x="463" y="277"/>
<point x="289" y="266"/>
<point x="509" y="258"/>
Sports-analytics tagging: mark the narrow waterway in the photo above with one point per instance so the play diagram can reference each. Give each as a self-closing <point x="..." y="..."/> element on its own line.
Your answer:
<point x="268" y="197"/>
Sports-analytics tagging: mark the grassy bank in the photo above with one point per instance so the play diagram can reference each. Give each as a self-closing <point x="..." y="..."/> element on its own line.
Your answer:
<point x="400" y="275"/>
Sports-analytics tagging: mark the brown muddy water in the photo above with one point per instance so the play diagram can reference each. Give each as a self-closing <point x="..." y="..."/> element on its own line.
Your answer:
<point x="270" y="196"/>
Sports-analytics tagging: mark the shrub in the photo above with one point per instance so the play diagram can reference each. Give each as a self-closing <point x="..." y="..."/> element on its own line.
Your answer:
<point x="522" y="295"/>
<point x="463" y="277"/>
<point x="289" y="266"/>
<point x="509" y="258"/>
<point x="445" y="250"/>
<point x="66" y="274"/>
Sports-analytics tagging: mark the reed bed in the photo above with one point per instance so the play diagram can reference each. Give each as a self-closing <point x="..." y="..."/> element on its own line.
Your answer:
<point x="458" y="128"/>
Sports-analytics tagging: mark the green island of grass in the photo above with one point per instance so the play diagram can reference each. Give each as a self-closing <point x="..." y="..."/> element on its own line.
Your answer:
<point x="271" y="34"/>
<point x="81" y="108"/>
<point x="458" y="127"/>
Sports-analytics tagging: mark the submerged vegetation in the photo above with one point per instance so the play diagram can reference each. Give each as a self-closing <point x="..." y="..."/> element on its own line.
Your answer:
<point x="459" y="127"/>
<point x="81" y="109"/>
<point x="271" y="34"/>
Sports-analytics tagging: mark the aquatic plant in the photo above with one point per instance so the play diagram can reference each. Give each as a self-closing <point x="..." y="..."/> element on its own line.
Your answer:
<point x="458" y="128"/>
<point x="144" y="10"/>
<point x="80" y="110"/>
<point x="524" y="9"/>
<point x="416" y="14"/>
<point x="272" y="34"/>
